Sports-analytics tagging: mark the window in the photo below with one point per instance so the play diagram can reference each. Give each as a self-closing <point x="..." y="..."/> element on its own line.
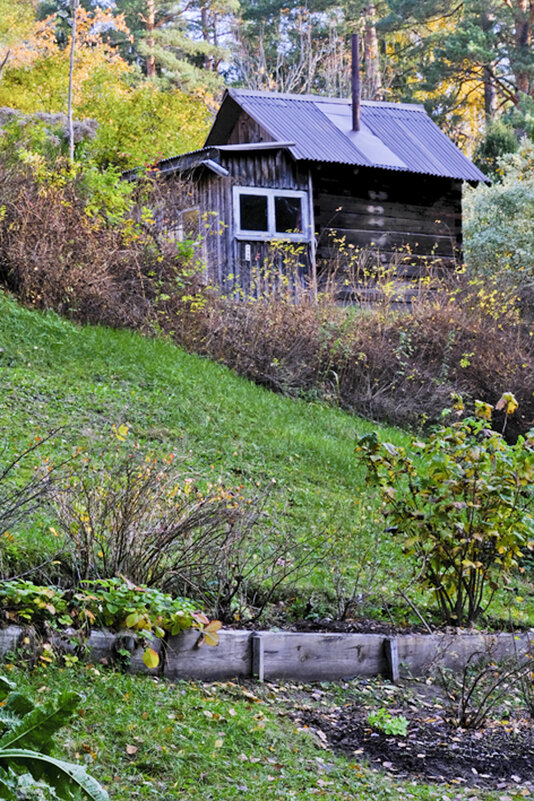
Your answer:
<point x="270" y="214"/>
<point x="185" y="224"/>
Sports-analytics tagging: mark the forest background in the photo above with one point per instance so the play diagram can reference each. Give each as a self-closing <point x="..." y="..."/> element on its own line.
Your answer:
<point x="151" y="72"/>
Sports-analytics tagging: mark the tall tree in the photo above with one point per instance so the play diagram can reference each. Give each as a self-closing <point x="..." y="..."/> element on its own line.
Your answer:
<point x="181" y="41"/>
<point x="469" y="50"/>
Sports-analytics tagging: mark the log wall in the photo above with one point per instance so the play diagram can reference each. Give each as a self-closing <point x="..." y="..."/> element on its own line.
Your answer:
<point x="411" y="221"/>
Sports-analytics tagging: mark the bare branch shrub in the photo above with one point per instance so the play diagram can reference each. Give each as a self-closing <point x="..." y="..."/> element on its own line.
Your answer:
<point x="24" y="487"/>
<point x="482" y="684"/>
<point x="460" y="338"/>
<point x="145" y="519"/>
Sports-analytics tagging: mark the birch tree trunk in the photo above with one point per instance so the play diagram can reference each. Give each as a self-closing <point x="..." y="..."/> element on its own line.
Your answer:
<point x="150" y="28"/>
<point x="75" y="4"/>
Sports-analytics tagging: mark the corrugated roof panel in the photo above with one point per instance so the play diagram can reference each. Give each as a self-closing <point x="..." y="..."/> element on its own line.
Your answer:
<point x="298" y="120"/>
<point x="364" y="140"/>
<point x="393" y="135"/>
<point x="425" y="148"/>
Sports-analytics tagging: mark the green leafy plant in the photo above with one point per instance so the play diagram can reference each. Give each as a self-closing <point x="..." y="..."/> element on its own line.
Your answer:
<point x="25" y="602"/>
<point x="118" y="603"/>
<point x="462" y="502"/>
<point x="384" y="721"/>
<point x="26" y="741"/>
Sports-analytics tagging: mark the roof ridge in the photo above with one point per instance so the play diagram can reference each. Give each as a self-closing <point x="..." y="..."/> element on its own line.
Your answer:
<point x="323" y="99"/>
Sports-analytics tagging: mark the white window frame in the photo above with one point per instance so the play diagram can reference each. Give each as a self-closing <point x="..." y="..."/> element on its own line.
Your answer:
<point x="271" y="233"/>
<point x="176" y="231"/>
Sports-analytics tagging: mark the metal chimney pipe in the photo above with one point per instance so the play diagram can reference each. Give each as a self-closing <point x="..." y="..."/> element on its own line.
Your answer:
<point x="356" y="89"/>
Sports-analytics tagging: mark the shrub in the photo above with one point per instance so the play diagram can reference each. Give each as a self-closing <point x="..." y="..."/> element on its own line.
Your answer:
<point x="81" y="242"/>
<point x="138" y="516"/>
<point x="498" y="226"/>
<point x="482" y="684"/>
<point x="462" y="502"/>
<point x="383" y="363"/>
<point x="127" y="515"/>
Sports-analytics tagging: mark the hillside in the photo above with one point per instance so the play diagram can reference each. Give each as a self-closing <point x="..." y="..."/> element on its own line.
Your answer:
<point x="85" y="380"/>
<point x="83" y="383"/>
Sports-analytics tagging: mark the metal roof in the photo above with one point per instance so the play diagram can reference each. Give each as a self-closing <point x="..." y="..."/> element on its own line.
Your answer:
<point x="395" y="136"/>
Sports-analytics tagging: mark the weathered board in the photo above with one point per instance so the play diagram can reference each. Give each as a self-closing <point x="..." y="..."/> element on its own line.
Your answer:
<point x="232" y="658"/>
<point x="422" y="654"/>
<point x="290" y="655"/>
<point x="412" y="222"/>
<point x="10" y="639"/>
<point x="322" y="657"/>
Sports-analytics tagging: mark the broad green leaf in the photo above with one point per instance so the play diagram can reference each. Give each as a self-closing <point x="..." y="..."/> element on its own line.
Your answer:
<point x="38" y="727"/>
<point x="63" y="776"/>
<point x="132" y="620"/>
<point x="14" y="709"/>
<point x="6" y="687"/>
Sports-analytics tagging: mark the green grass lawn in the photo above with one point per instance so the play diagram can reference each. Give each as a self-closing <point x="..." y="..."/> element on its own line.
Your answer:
<point x="85" y="380"/>
<point x="145" y="739"/>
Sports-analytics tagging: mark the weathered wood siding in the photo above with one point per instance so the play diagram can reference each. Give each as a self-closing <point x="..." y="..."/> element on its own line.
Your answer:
<point x="268" y="266"/>
<point x="247" y="130"/>
<point x="413" y="221"/>
<point x="409" y="220"/>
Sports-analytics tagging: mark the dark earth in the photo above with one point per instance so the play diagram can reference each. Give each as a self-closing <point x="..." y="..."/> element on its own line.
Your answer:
<point x="499" y="756"/>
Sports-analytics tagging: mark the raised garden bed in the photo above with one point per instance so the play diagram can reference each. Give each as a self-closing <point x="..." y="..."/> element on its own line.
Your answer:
<point x="274" y="655"/>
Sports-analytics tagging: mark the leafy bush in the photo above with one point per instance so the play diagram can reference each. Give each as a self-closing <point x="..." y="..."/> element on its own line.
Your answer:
<point x="118" y="603"/>
<point x="499" y="139"/>
<point x="463" y="503"/>
<point x="26" y="740"/>
<point x="498" y="228"/>
<point x="115" y="602"/>
<point x="25" y="602"/>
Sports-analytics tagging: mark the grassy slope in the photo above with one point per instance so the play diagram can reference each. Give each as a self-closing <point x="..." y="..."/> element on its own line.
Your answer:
<point x="87" y="379"/>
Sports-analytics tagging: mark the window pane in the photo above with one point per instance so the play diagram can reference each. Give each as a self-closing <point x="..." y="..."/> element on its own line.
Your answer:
<point x="253" y="212"/>
<point x="288" y="214"/>
<point x="191" y="223"/>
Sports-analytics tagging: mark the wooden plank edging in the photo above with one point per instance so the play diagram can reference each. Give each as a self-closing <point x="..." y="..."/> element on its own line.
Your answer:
<point x="280" y="655"/>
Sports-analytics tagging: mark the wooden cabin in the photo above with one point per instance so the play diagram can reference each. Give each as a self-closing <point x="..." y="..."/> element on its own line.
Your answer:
<point x="283" y="181"/>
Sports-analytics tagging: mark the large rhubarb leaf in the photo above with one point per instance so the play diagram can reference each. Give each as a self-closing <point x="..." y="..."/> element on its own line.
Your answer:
<point x="36" y="729"/>
<point x="66" y="778"/>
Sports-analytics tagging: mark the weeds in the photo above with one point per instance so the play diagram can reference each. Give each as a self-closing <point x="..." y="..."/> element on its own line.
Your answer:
<point x="384" y="721"/>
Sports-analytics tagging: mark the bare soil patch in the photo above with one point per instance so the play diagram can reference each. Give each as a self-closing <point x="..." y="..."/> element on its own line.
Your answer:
<point x="498" y="756"/>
